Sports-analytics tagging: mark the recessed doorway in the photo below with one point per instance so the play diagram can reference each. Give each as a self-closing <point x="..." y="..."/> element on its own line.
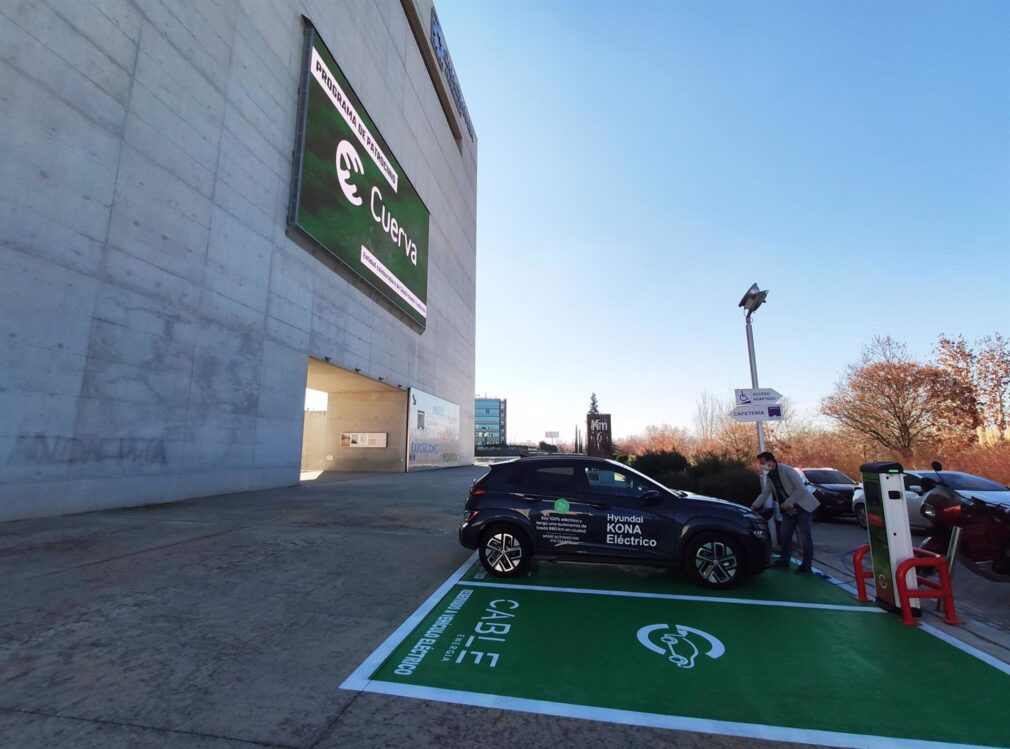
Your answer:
<point x="352" y="424"/>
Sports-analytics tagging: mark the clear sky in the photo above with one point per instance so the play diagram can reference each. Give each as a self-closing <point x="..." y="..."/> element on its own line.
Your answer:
<point x="642" y="163"/>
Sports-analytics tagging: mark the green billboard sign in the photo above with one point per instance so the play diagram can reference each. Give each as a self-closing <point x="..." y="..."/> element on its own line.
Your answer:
<point x="350" y="195"/>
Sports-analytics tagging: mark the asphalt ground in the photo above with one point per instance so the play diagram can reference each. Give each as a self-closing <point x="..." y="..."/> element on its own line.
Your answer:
<point x="233" y="621"/>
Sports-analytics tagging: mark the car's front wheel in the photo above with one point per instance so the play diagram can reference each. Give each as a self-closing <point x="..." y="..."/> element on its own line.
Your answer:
<point x="714" y="560"/>
<point x="505" y="551"/>
<point x="861" y="514"/>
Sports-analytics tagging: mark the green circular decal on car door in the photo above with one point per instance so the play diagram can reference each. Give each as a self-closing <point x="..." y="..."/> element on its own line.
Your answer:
<point x="562" y="506"/>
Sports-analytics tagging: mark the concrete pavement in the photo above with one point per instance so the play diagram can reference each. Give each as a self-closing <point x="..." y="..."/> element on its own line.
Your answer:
<point x="231" y="621"/>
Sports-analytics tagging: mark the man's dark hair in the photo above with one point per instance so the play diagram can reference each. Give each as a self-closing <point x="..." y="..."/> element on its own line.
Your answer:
<point x="766" y="456"/>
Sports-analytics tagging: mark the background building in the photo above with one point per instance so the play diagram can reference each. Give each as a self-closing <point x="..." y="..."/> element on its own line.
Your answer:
<point x="166" y="296"/>
<point x="489" y="421"/>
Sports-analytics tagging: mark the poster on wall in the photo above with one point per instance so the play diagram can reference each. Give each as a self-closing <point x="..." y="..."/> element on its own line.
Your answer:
<point x="350" y="195"/>
<point x="432" y="431"/>
<point x="363" y="439"/>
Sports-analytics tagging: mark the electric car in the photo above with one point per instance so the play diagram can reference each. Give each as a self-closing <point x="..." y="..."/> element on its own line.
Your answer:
<point x="574" y="508"/>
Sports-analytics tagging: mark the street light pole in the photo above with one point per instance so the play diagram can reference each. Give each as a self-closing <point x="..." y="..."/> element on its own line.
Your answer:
<point x="753" y="299"/>
<point x="754" y="378"/>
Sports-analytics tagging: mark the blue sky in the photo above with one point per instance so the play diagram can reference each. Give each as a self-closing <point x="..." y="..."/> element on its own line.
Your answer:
<point x="642" y="163"/>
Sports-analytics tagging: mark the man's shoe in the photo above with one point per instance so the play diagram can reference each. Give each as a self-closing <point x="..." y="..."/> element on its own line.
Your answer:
<point x="803" y="571"/>
<point x="780" y="563"/>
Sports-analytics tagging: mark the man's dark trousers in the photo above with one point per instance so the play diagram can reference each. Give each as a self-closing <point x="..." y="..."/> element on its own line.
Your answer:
<point x="790" y="520"/>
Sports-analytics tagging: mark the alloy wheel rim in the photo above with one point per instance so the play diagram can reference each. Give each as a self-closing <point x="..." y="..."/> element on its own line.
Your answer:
<point x="503" y="552"/>
<point x="716" y="562"/>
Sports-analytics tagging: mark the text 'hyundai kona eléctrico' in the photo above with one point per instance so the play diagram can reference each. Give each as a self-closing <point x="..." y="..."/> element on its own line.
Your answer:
<point x="593" y="510"/>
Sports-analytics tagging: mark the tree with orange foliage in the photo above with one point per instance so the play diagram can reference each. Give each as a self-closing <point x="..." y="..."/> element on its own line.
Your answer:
<point x="657" y="438"/>
<point x="886" y="396"/>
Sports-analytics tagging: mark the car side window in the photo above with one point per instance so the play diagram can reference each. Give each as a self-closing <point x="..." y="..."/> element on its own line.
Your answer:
<point x="615" y="483"/>
<point x="554" y="480"/>
<point x="507" y="479"/>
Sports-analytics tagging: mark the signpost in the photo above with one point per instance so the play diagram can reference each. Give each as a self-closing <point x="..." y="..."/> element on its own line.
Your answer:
<point x="758" y="412"/>
<point x="598" y="429"/>
<point x="750" y="396"/>
<point x="757" y="405"/>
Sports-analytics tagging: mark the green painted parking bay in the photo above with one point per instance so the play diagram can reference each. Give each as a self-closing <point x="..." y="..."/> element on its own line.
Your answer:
<point x="780" y="657"/>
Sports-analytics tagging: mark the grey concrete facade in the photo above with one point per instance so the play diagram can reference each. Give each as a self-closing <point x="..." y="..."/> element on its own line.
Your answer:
<point x="155" y="317"/>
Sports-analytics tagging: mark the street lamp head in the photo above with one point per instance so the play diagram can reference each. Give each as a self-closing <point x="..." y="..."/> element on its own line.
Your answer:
<point x="753" y="299"/>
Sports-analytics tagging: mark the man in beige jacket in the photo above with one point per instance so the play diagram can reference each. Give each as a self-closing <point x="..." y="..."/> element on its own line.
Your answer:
<point x="785" y="486"/>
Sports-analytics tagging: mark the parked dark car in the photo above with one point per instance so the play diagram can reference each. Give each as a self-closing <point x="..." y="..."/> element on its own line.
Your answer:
<point x="833" y="490"/>
<point x="591" y="510"/>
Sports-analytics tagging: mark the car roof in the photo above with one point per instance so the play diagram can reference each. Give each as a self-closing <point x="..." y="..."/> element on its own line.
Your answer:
<point x="543" y="459"/>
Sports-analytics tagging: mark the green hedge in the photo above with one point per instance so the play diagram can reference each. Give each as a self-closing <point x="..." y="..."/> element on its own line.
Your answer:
<point x="710" y="474"/>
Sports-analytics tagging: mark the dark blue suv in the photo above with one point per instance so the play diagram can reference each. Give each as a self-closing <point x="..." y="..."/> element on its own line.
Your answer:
<point x="587" y="509"/>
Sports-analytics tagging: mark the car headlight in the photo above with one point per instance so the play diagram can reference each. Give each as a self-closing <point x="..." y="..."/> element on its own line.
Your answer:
<point x="758" y="526"/>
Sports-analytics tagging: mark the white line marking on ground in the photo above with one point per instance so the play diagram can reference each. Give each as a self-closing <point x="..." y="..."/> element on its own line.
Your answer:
<point x="965" y="647"/>
<point x="677" y="597"/>
<point x="359" y="679"/>
<point x="947" y="638"/>
<point x="654" y="720"/>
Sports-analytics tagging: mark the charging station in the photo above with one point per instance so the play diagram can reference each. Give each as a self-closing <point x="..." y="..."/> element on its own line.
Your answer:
<point x="889" y="531"/>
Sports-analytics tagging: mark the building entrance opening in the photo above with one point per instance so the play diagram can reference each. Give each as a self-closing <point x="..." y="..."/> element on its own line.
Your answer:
<point x="352" y="423"/>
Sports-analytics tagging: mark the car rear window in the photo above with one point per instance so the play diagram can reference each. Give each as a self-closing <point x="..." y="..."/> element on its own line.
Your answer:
<point x="506" y="477"/>
<point x="967" y="482"/>
<point x="817" y="476"/>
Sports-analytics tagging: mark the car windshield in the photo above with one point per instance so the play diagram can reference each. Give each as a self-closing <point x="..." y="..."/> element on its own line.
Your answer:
<point x="967" y="482"/>
<point x="629" y="469"/>
<point x="826" y="476"/>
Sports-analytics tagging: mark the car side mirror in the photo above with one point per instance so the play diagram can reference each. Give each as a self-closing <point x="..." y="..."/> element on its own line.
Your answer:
<point x="936" y="466"/>
<point x="915" y="488"/>
<point x="651" y="495"/>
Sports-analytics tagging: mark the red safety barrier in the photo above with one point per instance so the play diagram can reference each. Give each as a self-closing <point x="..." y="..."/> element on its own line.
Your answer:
<point x="862" y="575"/>
<point x="923" y="559"/>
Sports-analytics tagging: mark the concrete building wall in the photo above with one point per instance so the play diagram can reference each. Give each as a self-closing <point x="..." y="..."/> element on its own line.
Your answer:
<point x="314" y="441"/>
<point x="367" y="412"/>
<point x="155" y="318"/>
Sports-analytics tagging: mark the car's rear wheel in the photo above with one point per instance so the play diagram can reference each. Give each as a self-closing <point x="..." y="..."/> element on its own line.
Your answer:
<point x="714" y="560"/>
<point x="505" y="551"/>
<point x="861" y="514"/>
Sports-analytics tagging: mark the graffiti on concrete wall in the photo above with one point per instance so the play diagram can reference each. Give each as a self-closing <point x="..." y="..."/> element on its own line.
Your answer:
<point x="41" y="449"/>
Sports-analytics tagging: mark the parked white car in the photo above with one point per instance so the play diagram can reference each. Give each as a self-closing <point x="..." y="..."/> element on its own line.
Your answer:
<point x="913" y="500"/>
<point x="918" y="484"/>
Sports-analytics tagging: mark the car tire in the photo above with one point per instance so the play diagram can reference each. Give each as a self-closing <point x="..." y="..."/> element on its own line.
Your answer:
<point x="505" y="550"/>
<point x="861" y="514"/>
<point x="714" y="560"/>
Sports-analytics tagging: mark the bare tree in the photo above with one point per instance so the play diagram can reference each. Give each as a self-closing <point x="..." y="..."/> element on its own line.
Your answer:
<point x="709" y="414"/>
<point x="993" y="380"/>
